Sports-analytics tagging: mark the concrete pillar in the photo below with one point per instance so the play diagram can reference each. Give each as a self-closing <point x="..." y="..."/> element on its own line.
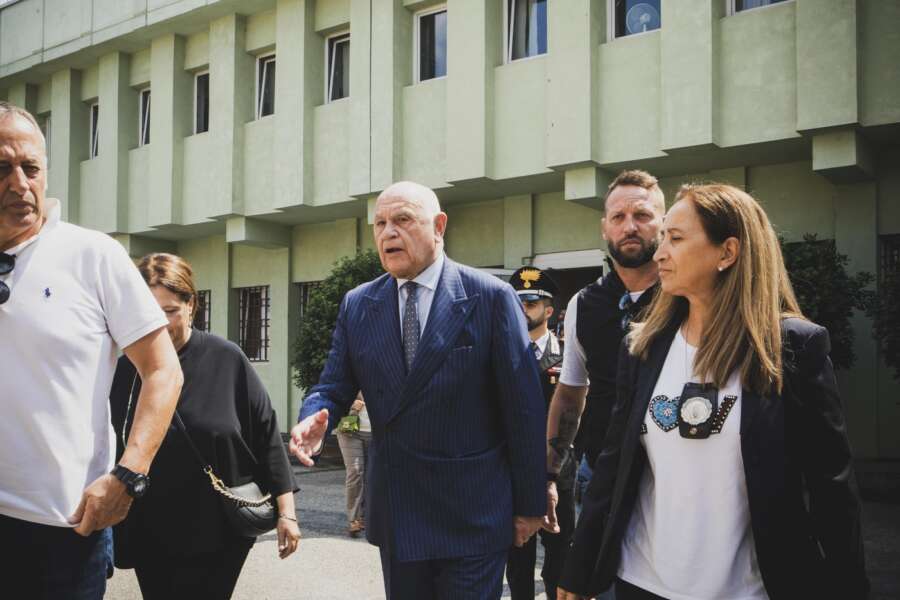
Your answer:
<point x="474" y="49"/>
<point x="587" y="186"/>
<point x="360" y="155"/>
<point x="843" y="156"/>
<point x="827" y="64"/>
<point x="856" y="227"/>
<point x="298" y="89"/>
<point x="232" y="88"/>
<point x="118" y="134"/>
<point x="689" y="72"/>
<point x="170" y="122"/>
<point x="70" y="115"/>
<point x="391" y="67"/>
<point x="572" y="82"/>
<point x="24" y="95"/>
<point x="518" y="230"/>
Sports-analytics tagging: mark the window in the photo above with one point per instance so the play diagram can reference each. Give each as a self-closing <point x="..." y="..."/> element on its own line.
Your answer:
<point x="890" y="254"/>
<point x="431" y="44"/>
<point x="739" y="5"/>
<point x="305" y="290"/>
<point x="201" y="102"/>
<point x="202" y="314"/>
<point x="634" y="16"/>
<point x="265" y="86"/>
<point x="95" y="131"/>
<point x="337" y="71"/>
<point x="526" y="28"/>
<point x="253" y="323"/>
<point x="144" y="133"/>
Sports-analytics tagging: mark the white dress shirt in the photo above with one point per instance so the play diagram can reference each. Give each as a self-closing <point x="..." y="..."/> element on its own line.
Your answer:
<point x="540" y="344"/>
<point x="427" y="280"/>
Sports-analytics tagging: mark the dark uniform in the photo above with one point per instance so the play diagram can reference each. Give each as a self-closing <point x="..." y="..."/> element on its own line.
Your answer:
<point x="533" y="284"/>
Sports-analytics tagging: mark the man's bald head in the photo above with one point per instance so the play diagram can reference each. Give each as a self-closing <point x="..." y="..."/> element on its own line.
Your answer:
<point x="409" y="228"/>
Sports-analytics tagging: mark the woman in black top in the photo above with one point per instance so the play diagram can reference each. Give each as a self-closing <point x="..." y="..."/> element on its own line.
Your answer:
<point x="176" y="536"/>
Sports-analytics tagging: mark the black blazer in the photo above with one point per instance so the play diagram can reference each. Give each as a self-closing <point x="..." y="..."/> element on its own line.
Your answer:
<point x="804" y="509"/>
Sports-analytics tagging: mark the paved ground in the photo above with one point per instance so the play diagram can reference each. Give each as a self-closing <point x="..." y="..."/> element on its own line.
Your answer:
<point x="331" y="566"/>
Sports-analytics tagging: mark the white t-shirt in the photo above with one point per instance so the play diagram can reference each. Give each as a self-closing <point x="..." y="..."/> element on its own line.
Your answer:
<point x="574" y="368"/>
<point x="689" y="537"/>
<point x="76" y="300"/>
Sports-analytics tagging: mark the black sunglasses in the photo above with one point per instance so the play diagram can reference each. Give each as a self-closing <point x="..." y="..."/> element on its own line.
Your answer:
<point x="626" y="304"/>
<point x="7" y="264"/>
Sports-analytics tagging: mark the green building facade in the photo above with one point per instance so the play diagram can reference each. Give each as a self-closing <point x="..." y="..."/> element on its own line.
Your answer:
<point x="252" y="136"/>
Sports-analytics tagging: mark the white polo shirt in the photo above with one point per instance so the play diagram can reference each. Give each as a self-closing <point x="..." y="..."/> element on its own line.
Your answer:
<point x="76" y="301"/>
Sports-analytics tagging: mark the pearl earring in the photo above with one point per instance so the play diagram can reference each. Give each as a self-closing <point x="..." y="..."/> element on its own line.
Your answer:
<point x="721" y="269"/>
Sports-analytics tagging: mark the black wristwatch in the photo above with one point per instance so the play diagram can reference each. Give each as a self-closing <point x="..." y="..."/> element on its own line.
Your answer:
<point x="136" y="484"/>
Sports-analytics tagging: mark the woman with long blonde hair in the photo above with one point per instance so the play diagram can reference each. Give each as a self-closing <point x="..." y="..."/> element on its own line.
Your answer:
<point x="727" y="471"/>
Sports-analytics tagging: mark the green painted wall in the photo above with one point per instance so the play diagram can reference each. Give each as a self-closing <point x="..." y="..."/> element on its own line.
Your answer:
<point x="561" y="226"/>
<point x="475" y="233"/>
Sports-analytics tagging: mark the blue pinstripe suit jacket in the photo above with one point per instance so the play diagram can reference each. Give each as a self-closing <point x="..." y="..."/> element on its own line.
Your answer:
<point x="458" y="443"/>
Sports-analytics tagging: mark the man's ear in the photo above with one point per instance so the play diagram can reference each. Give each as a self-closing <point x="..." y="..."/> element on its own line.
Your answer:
<point x="440" y="224"/>
<point x="548" y="310"/>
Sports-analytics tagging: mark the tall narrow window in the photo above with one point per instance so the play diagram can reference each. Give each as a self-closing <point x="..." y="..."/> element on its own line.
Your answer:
<point x="635" y="16"/>
<point x="305" y="289"/>
<point x="201" y="102"/>
<point x="253" y="323"/>
<point x="338" y="67"/>
<point x="526" y="28"/>
<point x="740" y="5"/>
<point x="95" y="131"/>
<point x="144" y="133"/>
<point x="204" y="309"/>
<point x="265" y="86"/>
<point x="431" y="37"/>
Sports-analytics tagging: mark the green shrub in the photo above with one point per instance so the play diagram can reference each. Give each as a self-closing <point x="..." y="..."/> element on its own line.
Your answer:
<point x="885" y="312"/>
<point x="827" y="294"/>
<point x="313" y="339"/>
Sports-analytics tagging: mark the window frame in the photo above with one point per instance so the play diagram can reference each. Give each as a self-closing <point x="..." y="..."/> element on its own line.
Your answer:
<point x="264" y="321"/>
<point x="731" y="7"/>
<point x="611" y="22"/>
<point x="507" y="36"/>
<point x="197" y="77"/>
<point x="203" y="307"/>
<point x="343" y="33"/>
<point x="94" y="130"/>
<point x="262" y="63"/>
<point x="144" y="118"/>
<point x="417" y="38"/>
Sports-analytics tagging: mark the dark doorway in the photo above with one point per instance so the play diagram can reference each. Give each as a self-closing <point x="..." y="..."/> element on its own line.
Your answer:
<point x="570" y="281"/>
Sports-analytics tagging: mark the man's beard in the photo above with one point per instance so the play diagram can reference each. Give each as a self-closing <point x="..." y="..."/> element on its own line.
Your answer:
<point x="633" y="261"/>
<point x="535" y="323"/>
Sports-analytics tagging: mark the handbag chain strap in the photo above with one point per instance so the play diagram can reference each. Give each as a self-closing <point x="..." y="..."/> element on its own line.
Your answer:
<point x="217" y="484"/>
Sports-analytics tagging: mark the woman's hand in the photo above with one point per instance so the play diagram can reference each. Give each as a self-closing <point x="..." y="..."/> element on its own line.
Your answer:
<point x="357" y="406"/>
<point x="288" y="536"/>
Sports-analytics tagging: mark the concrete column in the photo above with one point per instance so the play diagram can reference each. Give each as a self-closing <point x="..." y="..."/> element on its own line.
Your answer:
<point x="518" y="230"/>
<point x="843" y="156"/>
<point x="856" y="224"/>
<point x="827" y="64"/>
<point x="572" y="81"/>
<point x="391" y="66"/>
<point x="474" y="49"/>
<point x="170" y="122"/>
<point x="71" y="117"/>
<point x="24" y="95"/>
<point x="298" y="88"/>
<point x="689" y="72"/>
<point x="360" y="155"/>
<point x="232" y="85"/>
<point x="118" y="134"/>
<point x="587" y="186"/>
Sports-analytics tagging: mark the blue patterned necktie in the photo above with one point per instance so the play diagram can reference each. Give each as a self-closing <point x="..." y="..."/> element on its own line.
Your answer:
<point x="410" y="323"/>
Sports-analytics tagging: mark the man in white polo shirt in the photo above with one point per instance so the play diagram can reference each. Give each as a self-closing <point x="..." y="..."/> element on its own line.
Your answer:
<point x="70" y="299"/>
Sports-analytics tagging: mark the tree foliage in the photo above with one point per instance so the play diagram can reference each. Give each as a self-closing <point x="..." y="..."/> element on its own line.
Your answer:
<point x="827" y="294"/>
<point x="313" y="339"/>
<point x="885" y="312"/>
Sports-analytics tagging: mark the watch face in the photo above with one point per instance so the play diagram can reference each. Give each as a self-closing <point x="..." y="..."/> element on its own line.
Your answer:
<point x="139" y="487"/>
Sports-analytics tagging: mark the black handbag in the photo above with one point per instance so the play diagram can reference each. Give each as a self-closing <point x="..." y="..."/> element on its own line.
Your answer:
<point x="249" y="511"/>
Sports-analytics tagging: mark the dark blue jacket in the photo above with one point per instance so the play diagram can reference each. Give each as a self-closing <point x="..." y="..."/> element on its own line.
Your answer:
<point x="458" y="444"/>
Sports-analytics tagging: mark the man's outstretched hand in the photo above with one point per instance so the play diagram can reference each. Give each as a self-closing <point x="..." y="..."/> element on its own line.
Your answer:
<point x="307" y="437"/>
<point x="525" y="527"/>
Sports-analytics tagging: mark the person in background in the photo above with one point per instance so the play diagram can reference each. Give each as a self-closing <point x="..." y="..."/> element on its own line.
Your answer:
<point x="726" y="471"/>
<point x="70" y="301"/>
<point x="176" y="535"/>
<point x="354" y="442"/>
<point x="536" y="291"/>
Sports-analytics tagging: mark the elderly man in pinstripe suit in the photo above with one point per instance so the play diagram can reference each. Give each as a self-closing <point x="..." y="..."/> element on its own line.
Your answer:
<point x="441" y="353"/>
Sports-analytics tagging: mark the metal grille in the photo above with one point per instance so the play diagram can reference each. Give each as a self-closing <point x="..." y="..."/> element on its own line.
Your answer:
<point x="202" y="316"/>
<point x="253" y="324"/>
<point x="305" y="289"/>
<point x="890" y="254"/>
